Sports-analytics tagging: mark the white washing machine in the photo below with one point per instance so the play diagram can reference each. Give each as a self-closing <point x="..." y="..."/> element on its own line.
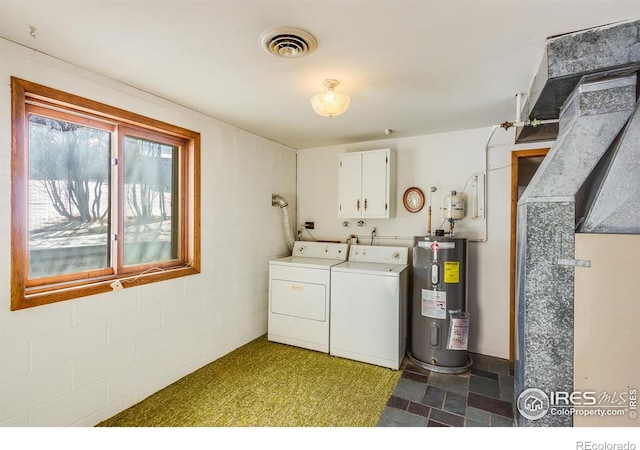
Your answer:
<point x="299" y="294"/>
<point x="369" y="305"/>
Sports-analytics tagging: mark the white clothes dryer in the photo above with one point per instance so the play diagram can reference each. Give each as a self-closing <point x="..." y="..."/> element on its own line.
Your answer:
<point x="369" y="305"/>
<point x="299" y="294"/>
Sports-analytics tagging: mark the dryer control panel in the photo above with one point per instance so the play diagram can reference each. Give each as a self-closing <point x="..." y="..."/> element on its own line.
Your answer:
<point x="379" y="254"/>
<point x="329" y="250"/>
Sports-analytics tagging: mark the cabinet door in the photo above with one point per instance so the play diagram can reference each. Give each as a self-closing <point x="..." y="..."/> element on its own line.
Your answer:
<point x="375" y="184"/>
<point x="350" y="187"/>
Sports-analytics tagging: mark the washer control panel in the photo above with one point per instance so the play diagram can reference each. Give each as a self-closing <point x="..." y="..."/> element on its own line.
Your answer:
<point x="379" y="254"/>
<point x="329" y="250"/>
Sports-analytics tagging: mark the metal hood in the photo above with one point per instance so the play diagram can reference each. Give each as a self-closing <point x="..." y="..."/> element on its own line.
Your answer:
<point x="566" y="60"/>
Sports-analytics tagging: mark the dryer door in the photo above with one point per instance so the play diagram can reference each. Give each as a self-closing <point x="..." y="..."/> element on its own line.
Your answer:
<point x="298" y="299"/>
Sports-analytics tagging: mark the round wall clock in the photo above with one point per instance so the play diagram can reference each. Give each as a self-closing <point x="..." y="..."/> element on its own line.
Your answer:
<point x="413" y="199"/>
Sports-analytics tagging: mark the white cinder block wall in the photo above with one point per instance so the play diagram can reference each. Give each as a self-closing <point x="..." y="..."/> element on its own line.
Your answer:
<point x="445" y="161"/>
<point x="81" y="361"/>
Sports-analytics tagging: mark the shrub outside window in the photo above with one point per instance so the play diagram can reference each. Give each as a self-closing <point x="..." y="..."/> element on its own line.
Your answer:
<point x="99" y="195"/>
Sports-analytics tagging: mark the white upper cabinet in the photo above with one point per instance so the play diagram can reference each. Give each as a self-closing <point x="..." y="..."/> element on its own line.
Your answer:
<point x="350" y="185"/>
<point x="366" y="184"/>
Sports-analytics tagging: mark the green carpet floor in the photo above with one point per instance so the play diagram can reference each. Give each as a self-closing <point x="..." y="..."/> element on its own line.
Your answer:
<point x="265" y="384"/>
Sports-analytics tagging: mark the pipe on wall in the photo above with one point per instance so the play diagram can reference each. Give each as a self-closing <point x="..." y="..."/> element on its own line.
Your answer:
<point x="506" y="126"/>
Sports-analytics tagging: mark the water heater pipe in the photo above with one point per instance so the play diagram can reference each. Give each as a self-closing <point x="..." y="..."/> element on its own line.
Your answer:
<point x="277" y="200"/>
<point x="506" y="125"/>
<point x="532" y="123"/>
<point x="486" y="191"/>
<point x="431" y="191"/>
<point x="519" y="106"/>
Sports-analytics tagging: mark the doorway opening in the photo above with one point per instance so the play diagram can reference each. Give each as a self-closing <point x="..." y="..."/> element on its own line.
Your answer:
<point x="524" y="164"/>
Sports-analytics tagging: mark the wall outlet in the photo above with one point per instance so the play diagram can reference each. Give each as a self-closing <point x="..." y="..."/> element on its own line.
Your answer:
<point x="117" y="286"/>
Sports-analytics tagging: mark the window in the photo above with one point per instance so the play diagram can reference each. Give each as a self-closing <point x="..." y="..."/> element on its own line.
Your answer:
<point x="101" y="198"/>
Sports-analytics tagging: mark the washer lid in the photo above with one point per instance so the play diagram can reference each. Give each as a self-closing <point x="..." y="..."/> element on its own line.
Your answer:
<point x="370" y="268"/>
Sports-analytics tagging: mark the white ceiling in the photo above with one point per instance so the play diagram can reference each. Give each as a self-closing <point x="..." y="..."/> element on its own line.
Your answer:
<point x="415" y="67"/>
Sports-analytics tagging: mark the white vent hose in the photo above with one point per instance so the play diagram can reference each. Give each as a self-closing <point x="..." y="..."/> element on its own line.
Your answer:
<point x="276" y="200"/>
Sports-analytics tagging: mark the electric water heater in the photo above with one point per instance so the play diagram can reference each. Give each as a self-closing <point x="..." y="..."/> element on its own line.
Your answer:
<point x="439" y="317"/>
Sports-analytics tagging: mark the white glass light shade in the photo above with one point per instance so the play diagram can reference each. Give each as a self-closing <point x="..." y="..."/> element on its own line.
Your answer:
<point x="330" y="103"/>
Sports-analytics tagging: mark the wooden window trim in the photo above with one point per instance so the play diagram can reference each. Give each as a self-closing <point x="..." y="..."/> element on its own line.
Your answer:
<point x="23" y="296"/>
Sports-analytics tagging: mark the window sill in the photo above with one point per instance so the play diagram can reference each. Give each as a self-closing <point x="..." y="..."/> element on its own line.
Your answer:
<point x="52" y="294"/>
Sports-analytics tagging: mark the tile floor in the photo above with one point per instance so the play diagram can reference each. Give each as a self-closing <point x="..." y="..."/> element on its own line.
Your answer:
<point x="480" y="397"/>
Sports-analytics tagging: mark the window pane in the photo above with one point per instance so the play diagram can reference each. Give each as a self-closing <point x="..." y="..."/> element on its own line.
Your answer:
<point x="68" y="197"/>
<point x="150" y="188"/>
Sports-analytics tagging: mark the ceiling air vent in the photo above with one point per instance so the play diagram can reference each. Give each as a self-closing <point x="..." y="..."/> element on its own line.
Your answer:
<point x="288" y="42"/>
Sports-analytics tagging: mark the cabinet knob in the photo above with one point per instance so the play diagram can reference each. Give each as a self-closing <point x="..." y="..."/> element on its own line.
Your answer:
<point x="358" y="204"/>
<point x="365" y="204"/>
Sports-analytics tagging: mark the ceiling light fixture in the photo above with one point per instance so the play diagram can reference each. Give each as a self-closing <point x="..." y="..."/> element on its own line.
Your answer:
<point x="330" y="103"/>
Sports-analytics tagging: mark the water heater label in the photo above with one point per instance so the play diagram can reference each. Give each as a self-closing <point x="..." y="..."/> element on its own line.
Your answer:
<point x="452" y="272"/>
<point x="434" y="304"/>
